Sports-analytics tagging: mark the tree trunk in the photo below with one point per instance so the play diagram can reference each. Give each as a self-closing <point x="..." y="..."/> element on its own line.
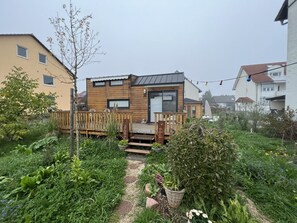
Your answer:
<point x="71" y="152"/>
<point x="76" y="119"/>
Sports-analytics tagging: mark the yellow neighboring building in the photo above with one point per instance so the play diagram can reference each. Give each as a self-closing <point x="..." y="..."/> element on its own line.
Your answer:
<point x="26" y="51"/>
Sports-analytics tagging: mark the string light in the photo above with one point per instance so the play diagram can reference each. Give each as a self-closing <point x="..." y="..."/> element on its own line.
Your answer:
<point x="248" y="77"/>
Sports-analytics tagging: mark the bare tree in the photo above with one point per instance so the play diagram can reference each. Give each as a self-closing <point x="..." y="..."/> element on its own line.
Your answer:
<point x="78" y="44"/>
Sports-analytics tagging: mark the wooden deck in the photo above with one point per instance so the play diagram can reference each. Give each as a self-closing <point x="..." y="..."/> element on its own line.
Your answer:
<point x="95" y="123"/>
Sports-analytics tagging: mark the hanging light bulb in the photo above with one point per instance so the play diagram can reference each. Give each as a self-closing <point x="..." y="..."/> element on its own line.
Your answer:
<point x="249" y="78"/>
<point x="221" y="82"/>
<point x="197" y="82"/>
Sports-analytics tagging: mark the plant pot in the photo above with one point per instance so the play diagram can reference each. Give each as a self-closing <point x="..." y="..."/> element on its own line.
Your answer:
<point x="156" y="149"/>
<point x="121" y="147"/>
<point x="174" y="197"/>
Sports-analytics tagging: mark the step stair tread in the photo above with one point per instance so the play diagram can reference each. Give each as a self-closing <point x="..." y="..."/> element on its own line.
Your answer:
<point x="140" y="144"/>
<point x="143" y="137"/>
<point x="139" y="151"/>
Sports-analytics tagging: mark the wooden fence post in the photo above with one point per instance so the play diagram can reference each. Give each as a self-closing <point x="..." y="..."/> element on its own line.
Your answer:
<point x="126" y="123"/>
<point x="161" y="132"/>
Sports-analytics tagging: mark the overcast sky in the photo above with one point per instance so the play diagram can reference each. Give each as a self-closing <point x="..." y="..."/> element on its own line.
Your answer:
<point x="208" y="40"/>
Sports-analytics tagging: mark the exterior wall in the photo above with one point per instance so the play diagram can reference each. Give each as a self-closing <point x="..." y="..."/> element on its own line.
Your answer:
<point x="291" y="90"/>
<point x="191" y="91"/>
<point x="245" y="89"/>
<point x="97" y="97"/>
<point x="277" y="105"/>
<point x="35" y="69"/>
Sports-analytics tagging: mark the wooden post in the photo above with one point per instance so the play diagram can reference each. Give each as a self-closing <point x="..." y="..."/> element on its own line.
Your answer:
<point x="161" y="132"/>
<point x="126" y="123"/>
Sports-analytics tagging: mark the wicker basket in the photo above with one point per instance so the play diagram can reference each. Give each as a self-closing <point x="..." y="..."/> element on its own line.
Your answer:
<point x="174" y="197"/>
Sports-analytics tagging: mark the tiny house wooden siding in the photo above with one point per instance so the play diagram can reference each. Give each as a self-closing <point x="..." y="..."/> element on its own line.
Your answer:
<point x="193" y="110"/>
<point x="97" y="97"/>
<point x="92" y="121"/>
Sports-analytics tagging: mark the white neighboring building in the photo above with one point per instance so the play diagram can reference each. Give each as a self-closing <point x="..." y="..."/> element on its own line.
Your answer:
<point x="288" y="15"/>
<point x="266" y="89"/>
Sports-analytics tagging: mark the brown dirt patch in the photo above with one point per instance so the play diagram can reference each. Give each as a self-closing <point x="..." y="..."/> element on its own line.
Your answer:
<point x="130" y="179"/>
<point x="124" y="208"/>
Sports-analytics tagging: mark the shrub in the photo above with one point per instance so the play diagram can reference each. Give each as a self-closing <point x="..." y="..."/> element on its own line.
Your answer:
<point x="202" y="159"/>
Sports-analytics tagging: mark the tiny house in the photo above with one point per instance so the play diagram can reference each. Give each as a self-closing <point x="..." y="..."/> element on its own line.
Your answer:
<point x="144" y="95"/>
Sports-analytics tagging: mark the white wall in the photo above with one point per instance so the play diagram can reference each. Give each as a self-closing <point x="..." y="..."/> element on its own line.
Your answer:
<point x="245" y="88"/>
<point x="291" y="88"/>
<point x="191" y="91"/>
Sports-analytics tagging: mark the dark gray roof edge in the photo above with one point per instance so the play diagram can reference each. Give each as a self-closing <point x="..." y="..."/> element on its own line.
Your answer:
<point x="34" y="37"/>
<point x="133" y="84"/>
<point x="189" y="100"/>
<point x="149" y="75"/>
<point x="283" y="12"/>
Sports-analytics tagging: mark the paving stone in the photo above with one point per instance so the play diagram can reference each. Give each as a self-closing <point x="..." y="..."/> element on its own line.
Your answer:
<point x="124" y="208"/>
<point x="130" y="179"/>
<point x="133" y="166"/>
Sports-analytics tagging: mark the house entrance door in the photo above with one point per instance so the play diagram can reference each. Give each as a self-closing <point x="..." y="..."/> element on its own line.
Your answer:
<point x="155" y="106"/>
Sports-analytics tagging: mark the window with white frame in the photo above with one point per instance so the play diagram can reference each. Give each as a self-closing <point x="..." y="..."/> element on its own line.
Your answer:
<point x="275" y="74"/>
<point x="118" y="103"/>
<point x="42" y="58"/>
<point x="267" y="87"/>
<point x="22" y="51"/>
<point x="48" y="80"/>
<point x="116" y="83"/>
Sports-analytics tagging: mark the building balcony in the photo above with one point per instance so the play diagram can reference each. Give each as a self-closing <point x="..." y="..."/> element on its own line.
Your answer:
<point x="280" y="93"/>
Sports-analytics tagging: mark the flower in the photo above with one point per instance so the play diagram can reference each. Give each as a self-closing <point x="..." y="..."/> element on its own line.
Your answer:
<point x="197" y="216"/>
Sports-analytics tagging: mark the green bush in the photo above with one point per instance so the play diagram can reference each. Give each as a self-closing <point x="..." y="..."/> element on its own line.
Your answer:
<point x="202" y="159"/>
<point x="235" y="212"/>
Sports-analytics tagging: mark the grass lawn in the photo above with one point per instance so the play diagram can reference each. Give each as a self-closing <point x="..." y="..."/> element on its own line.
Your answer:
<point x="57" y="190"/>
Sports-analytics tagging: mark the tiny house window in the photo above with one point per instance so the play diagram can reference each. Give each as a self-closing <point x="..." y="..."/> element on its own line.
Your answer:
<point x="98" y="83"/>
<point x="116" y="83"/>
<point x="119" y="103"/>
<point x="48" y="80"/>
<point x="42" y="58"/>
<point x="22" y="51"/>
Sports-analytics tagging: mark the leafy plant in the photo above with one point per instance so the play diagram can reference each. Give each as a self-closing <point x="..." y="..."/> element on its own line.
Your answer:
<point x="235" y="212"/>
<point x="18" y="100"/>
<point x="202" y="159"/>
<point x="197" y="216"/>
<point x="123" y="142"/>
<point x="111" y="129"/>
<point x="156" y="145"/>
<point x="43" y="143"/>
<point x="23" y="149"/>
<point x="154" y="189"/>
<point x="172" y="182"/>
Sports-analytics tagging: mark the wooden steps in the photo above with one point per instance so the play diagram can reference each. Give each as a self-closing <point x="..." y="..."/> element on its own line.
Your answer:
<point x="140" y="144"/>
<point x="138" y="151"/>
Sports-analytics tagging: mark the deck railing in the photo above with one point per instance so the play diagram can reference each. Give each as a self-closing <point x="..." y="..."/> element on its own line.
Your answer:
<point x="173" y="121"/>
<point x="92" y="121"/>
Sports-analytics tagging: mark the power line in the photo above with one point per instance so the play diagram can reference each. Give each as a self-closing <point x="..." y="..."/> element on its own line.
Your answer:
<point x="235" y="78"/>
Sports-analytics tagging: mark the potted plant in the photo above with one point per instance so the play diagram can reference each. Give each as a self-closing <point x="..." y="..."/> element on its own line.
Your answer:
<point x="173" y="189"/>
<point x="156" y="146"/>
<point x="123" y="144"/>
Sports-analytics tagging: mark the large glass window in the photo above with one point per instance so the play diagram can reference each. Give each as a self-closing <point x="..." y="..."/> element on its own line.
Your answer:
<point x="169" y="101"/>
<point x="22" y="51"/>
<point x="48" y="80"/>
<point x="119" y="103"/>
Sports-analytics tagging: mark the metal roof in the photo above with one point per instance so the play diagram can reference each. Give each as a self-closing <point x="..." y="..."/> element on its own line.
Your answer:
<point x="189" y="101"/>
<point x="158" y="79"/>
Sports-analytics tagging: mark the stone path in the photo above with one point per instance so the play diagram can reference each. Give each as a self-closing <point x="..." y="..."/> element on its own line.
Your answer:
<point x="128" y="209"/>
